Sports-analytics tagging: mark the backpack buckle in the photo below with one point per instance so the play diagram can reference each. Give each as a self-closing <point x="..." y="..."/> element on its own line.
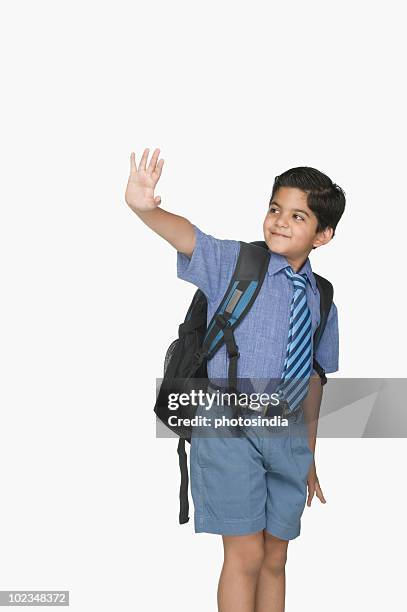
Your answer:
<point x="221" y="321"/>
<point x="234" y="352"/>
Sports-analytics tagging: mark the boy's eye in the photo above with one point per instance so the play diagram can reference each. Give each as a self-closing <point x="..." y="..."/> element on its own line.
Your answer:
<point x="272" y="209"/>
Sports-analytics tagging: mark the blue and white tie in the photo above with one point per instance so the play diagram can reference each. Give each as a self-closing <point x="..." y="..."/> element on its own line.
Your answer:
<point x="298" y="362"/>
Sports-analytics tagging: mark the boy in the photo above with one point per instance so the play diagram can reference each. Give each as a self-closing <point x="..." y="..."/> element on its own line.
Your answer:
<point x="253" y="490"/>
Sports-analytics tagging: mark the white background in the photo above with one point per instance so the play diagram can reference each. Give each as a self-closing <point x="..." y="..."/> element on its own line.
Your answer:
<point x="233" y="95"/>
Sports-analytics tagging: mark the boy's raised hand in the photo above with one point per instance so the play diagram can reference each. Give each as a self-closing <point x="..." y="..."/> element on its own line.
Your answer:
<point x="142" y="181"/>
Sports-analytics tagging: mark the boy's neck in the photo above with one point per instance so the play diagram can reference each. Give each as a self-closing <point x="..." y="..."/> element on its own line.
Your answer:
<point x="296" y="264"/>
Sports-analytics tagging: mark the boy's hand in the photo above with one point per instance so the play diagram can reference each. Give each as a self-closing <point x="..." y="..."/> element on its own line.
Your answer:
<point x="314" y="486"/>
<point x="142" y="181"/>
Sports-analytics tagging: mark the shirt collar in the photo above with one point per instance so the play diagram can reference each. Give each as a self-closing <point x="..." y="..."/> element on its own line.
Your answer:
<point x="279" y="262"/>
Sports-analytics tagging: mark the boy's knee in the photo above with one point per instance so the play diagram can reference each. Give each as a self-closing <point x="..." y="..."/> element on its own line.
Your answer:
<point x="275" y="555"/>
<point x="246" y="556"/>
<point x="274" y="564"/>
<point x="248" y="564"/>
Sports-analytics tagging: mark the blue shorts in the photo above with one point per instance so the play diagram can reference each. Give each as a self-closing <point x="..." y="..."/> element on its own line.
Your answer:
<point x="241" y="485"/>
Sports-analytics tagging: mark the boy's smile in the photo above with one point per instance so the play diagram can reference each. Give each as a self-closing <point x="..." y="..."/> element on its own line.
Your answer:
<point x="290" y="227"/>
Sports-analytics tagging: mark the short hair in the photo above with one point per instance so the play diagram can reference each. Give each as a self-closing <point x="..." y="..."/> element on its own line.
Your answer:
<point x="324" y="198"/>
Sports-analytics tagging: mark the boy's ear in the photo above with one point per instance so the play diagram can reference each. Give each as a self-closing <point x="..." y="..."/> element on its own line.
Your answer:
<point x="323" y="237"/>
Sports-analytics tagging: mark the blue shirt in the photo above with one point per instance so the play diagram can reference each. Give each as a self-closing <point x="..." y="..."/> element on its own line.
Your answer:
<point x="262" y="335"/>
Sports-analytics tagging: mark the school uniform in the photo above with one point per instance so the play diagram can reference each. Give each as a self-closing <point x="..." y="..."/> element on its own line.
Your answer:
<point x="241" y="485"/>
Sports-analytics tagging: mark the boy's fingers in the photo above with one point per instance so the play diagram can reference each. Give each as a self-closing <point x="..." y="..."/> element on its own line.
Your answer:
<point x="133" y="167"/>
<point x="153" y="160"/>
<point x="143" y="160"/>
<point x="320" y="494"/>
<point x="159" y="167"/>
<point x="310" y="496"/>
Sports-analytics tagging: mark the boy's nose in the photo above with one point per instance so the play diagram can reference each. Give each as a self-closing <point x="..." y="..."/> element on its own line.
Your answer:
<point x="281" y="222"/>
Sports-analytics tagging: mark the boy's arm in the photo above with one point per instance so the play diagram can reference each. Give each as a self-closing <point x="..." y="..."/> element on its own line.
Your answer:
<point x="311" y="407"/>
<point x="327" y="355"/>
<point x="177" y="230"/>
<point x="139" y="196"/>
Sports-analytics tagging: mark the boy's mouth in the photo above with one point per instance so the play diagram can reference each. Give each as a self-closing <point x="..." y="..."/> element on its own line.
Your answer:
<point x="277" y="234"/>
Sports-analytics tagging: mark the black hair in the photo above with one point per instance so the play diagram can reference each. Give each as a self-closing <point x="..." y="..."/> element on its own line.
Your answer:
<point x="324" y="198"/>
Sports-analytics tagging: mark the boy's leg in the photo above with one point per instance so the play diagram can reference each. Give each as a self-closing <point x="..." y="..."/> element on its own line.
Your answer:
<point x="243" y="558"/>
<point x="228" y="482"/>
<point x="270" y="592"/>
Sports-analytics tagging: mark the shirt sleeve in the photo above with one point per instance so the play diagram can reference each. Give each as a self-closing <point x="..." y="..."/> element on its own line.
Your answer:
<point x="327" y="353"/>
<point x="211" y="265"/>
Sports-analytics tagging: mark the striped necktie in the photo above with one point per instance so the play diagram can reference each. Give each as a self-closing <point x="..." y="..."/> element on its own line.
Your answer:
<point x="298" y="363"/>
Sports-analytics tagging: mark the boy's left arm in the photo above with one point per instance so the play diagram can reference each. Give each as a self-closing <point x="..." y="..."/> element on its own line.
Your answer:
<point x="327" y="355"/>
<point x="311" y="406"/>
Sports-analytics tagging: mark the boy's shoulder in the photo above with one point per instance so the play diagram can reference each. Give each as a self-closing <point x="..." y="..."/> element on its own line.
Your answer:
<point x="215" y="252"/>
<point x="211" y="241"/>
<point x="211" y="264"/>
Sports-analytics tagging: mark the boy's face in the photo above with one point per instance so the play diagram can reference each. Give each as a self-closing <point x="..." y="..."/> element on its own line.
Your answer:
<point x="290" y="227"/>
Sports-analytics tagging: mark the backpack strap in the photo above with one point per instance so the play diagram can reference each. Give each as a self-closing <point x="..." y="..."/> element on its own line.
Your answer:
<point x="244" y="286"/>
<point x="326" y="292"/>
<point x="183" y="491"/>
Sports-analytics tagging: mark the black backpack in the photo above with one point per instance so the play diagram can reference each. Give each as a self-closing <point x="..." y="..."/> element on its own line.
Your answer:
<point x="186" y="357"/>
